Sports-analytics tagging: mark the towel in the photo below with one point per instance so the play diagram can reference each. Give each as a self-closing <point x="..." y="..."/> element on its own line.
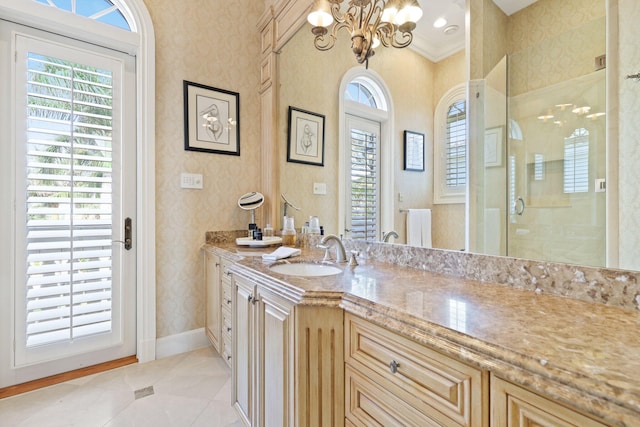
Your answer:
<point x="419" y="227"/>
<point x="281" y="253"/>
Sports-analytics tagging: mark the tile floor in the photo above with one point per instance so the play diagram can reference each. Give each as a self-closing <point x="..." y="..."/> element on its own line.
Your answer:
<point x="190" y="389"/>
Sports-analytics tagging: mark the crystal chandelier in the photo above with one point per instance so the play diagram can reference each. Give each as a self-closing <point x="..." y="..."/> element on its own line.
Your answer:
<point x="370" y="22"/>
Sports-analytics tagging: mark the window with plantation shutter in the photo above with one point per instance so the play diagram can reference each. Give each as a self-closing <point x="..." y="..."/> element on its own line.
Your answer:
<point x="364" y="183"/>
<point x="455" y="146"/>
<point x="68" y="200"/>
<point x="576" y="162"/>
<point x="450" y="147"/>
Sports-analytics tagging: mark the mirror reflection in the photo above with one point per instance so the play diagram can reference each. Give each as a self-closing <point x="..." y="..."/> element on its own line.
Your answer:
<point x="536" y="121"/>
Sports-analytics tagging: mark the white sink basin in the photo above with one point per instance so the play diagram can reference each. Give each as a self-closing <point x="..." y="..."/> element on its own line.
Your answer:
<point x="307" y="269"/>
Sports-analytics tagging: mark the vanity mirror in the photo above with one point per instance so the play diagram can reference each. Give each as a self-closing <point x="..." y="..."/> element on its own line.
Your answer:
<point x="313" y="80"/>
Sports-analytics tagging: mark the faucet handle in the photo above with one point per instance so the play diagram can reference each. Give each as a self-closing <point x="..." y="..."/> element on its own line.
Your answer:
<point x="352" y="261"/>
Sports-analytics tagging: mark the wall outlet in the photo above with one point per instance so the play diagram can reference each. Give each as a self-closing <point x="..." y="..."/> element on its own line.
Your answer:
<point x="400" y="197"/>
<point x="191" y="180"/>
<point x="601" y="185"/>
<point x="319" y="188"/>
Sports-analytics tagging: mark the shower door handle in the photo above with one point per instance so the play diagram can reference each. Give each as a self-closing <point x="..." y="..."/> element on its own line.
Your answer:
<point x="522" y="206"/>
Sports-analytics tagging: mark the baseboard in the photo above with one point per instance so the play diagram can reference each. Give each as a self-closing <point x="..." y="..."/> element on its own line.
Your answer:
<point x="181" y="343"/>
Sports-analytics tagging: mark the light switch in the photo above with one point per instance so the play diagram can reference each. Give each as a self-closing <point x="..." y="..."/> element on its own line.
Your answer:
<point x="319" y="188"/>
<point x="191" y="180"/>
<point x="400" y="197"/>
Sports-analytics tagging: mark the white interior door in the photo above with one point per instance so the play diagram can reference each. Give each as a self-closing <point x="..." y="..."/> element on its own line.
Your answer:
<point x="74" y="280"/>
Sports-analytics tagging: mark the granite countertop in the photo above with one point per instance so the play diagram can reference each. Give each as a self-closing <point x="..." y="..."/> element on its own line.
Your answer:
<point x="583" y="354"/>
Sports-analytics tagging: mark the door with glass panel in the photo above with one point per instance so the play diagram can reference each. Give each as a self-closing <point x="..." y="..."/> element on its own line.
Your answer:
<point x="363" y="183"/>
<point x="75" y="289"/>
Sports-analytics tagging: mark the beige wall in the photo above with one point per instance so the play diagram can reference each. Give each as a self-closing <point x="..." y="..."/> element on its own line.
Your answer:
<point x="551" y="42"/>
<point x="203" y="43"/>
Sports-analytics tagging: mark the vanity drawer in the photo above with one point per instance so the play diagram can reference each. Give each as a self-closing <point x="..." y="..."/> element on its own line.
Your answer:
<point x="226" y="274"/>
<point x="434" y="383"/>
<point x="226" y="351"/>
<point x="368" y="404"/>
<point x="226" y="322"/>
<point x="226" y="296"/>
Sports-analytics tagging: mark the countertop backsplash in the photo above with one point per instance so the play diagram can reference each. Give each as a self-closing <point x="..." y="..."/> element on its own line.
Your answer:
<point x="612" y="287"/>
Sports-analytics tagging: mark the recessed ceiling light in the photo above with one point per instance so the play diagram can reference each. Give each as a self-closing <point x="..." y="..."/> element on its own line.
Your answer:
<point x="450" y="29"/>
<point x="440" y="22"/>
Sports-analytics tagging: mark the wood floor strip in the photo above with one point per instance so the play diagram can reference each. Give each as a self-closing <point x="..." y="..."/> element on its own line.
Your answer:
<point x="66" y="376"/>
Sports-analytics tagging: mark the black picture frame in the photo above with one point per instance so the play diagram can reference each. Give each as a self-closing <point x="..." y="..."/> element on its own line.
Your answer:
<point x="211" y="119"/>
<point x="413" y="151"/>
<point x="305" y="142"/>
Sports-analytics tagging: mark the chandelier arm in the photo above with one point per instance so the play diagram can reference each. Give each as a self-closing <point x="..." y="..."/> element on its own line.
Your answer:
<point x="327" y="41"/>
<point x="324" y="43"/>
<point x="402" y="39"/>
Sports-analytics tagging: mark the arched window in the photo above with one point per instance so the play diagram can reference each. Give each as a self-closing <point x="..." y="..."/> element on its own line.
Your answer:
<point x="99" y="10"/>
<point x="365" y="116"/>
<point x="450" y="147"/>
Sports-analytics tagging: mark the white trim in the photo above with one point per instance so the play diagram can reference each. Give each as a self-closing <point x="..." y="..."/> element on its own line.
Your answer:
<point x="181" y="343"/>
<point x="386" y="150"/>
<point x="440" y="194"/>
<point x="142" y="45"/>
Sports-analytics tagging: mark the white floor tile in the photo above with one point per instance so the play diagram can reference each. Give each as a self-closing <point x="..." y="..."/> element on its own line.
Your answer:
<point x="190" y="389"/>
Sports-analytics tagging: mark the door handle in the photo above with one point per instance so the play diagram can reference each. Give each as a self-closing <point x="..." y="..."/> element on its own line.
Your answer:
<point x="522" y="206"/>
<point x="128" y="230"/>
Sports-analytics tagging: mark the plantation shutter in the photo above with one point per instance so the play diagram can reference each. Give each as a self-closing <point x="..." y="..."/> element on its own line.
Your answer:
<point x="68" y="200"/>
<point x="455" y="151"/>
<point x="364" y="184"/>
<point x="576" y="162"/>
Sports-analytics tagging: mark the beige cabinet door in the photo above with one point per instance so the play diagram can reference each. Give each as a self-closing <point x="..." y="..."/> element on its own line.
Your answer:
<point x="243" y="333"/>
<point x="515" y="406"/>
<point x="273" y="359"/>
<point x="212" y="296"/>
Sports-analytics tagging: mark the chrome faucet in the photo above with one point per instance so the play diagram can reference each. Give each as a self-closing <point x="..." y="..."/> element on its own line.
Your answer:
<point x="341" y="255"/>
<point x="386" y="236"/>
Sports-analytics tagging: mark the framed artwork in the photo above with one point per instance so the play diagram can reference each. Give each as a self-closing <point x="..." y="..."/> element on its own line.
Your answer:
<point x="306" y="137"/>
<point x="211" y="119"/>
<point x="493" y="147"/>
<point x="413" y="151"/>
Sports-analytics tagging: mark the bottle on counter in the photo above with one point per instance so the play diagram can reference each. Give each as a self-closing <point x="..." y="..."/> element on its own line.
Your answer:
<point x="289" y="232"/>
<point x="268" y="231"/>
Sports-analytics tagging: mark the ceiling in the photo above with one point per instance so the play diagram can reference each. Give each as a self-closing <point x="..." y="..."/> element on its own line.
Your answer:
<point x="434" y="43"/>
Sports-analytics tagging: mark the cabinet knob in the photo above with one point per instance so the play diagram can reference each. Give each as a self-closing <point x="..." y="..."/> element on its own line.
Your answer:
<point x="228" y="328"/>
<point x="250" y="298"/>
<point x="217" y="264"/>
<point x="228" y="301"/>
<point x="393" y="366"/>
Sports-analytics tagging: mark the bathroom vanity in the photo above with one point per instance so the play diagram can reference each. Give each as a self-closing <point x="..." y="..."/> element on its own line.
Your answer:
<point x="389" y="344"/>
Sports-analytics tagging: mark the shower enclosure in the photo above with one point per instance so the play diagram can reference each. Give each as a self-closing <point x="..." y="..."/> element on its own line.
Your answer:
<point x="538" y="166"/>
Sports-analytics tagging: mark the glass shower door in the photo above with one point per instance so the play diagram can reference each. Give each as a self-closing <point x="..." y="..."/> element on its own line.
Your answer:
<point x="556" y="167"/>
